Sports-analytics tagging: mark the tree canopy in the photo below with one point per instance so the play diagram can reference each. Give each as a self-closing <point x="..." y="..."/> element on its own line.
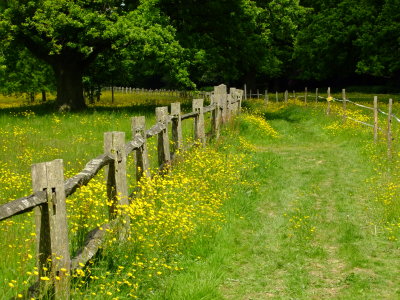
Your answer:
<point x="193" y="43"/>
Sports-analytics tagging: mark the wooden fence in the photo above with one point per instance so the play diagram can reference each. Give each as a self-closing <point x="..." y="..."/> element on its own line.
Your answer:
<point x="305" y="96"/>
<point x="160" y="92"/>
<point x="50" y="190"/>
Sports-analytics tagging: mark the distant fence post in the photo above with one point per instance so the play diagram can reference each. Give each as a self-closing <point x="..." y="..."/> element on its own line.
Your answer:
<point x="199" y="132"/>
<point x="375" y="119"/>
<point x="316" y="95"/>
<point x="138" y="125"/>
<point x="177" y="137"/>
<point x="245" y="92"/>
<point x="276" y="96"/>
<point x="117" y="187"/>
<point x="305" y="95"/>
<point x="329" y="99"/>
<point x="344" y="105"/>
<point x="52" y="228"/>
<point x="389" y="129"/>
<point x="164" y="155"/>
<point x="266" y="97"/>
<point x="286" y="96"/>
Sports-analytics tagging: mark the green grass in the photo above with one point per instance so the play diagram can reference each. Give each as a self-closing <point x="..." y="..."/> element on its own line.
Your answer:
<point x="316" y="214"/>
<point x="308" y="230"/>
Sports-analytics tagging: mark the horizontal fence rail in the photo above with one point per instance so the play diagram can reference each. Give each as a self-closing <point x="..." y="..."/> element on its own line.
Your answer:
<point x="50" y="189"/>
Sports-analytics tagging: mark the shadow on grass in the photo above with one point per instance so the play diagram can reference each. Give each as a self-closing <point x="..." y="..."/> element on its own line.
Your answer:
<point x="291" y="114"/>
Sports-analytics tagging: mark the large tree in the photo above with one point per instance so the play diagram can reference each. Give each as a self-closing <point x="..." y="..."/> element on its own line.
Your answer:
<point x="70" y="35"/>
<point x="231" y="41"/>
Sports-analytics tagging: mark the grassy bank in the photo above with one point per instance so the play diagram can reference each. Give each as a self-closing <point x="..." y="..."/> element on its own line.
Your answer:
<point x="299" y="206"/>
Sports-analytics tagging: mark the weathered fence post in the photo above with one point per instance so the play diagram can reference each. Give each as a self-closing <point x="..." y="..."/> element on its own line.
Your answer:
<point x="329" y="99"/>
<point x="344" y="105"/>
<point x="232" y="101"/>
<point x="266" y="97"/>
<point x="117" y="187"/>
<point x="286" y="96"/>
<point x="177" y="137"/>
<point x="375" y="119"/>
<point x="305" y="95"/>
<point x="316" y="95"/>
<point x="221" y="96"/>
<point x="229" y="106"/>
<point x="245" y="92"/>
<point x="52" y="228"/>
<point x="199" y="132"/>
<point x="138" y="125"/>
<point x="276" y="96"/>
<point x="240" y="101"/>
<point x="389" y="129"/>
<point x="164" y="155"/>
<point x="258" y="94"/>
<point x="216" y="115"/>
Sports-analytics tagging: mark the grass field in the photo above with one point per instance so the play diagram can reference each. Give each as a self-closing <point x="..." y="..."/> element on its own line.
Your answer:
<point x="309" y="206"/>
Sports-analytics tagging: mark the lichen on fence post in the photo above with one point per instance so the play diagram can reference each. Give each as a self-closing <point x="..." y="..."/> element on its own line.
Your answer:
<point x="164" y="155"/>
<point x="199" y="131"/>
<point x="138" y="125"/>
<point x="53" y="260"/>
<point x="117" y="187"/>
<point x="177" y="137"/>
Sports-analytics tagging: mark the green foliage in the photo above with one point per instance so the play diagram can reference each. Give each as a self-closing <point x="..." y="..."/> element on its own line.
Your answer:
<point x="378" y="40"/>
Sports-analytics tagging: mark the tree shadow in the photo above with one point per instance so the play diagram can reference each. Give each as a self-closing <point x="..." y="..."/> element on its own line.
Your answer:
<point x="290" y="114"/>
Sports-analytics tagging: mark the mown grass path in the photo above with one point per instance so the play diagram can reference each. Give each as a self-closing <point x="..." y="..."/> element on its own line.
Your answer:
<point x="307" y="233"/>
<point x="312" y="237"/>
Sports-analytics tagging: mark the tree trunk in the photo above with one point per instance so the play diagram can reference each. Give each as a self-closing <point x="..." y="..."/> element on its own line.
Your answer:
<point x="44" y="96"/>
<point x="69" y="85"/>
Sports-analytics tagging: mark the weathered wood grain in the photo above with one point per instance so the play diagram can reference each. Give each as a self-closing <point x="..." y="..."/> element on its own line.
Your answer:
<point x="199" y="131"/>
<point x="216" y="115"/>
<point x="52" y="227"/>
<point x="135" y="144"/>
<point x="90" y="170"/>
<point x="209" y="108"/>
<point x="192" y="114"/>
<point x="155" y="129"/>
<point x="22" y="205"/>
<point x="115" y="172"/>
<point x="177" y="136"/>
<point x="164" y="154"/>
<point x="138" y="126"/>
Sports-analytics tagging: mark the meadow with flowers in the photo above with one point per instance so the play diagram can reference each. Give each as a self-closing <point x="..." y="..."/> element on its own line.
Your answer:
<point x="288" y="203"/>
